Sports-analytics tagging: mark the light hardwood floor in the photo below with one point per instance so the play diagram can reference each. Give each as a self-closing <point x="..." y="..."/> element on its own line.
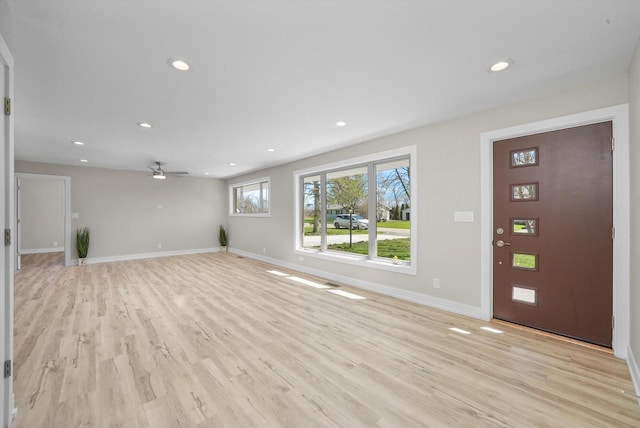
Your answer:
<point x="216" y="340"/>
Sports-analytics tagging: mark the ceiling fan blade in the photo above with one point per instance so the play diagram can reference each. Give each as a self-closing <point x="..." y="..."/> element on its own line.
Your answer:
<point x="177" y="172"/>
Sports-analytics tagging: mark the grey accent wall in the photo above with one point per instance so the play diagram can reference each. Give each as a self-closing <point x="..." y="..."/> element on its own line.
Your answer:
<point x="634" y="123"/>
<point x="448" y="180"/>
<point x="129" y="213"/>
<point x="42" y="214"/>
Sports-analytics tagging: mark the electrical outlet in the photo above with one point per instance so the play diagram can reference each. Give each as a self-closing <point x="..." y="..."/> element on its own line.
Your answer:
<point x="159" y="246"/>
<point x="264" y="250"/>
<point x="55" y="243"/>
<point x="436" y="282"/>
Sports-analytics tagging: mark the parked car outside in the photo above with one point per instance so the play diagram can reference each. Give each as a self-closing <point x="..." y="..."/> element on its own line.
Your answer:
<point x="357" y="222"/>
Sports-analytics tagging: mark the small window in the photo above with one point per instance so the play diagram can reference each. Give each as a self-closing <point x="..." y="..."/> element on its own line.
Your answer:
<point x="525" y="261"/>
<point x="526" y="295"/>
<point x="524" y="192"/>
<point x="524" y="226"/>
<point x="524" y="157"/>
<point x="250" y="198"/>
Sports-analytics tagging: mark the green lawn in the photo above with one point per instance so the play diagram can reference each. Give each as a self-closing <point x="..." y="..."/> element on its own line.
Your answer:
<point x="526" y="261"/>
<point x="387" y="248"/>
<point x="395" y="224"/>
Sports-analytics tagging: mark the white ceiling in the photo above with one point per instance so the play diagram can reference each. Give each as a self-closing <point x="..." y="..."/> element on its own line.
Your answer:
<point x="280" y="73"/>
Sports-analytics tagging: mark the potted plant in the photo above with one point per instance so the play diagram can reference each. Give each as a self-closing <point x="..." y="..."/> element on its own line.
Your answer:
<point x="222" y="238"/>
<point x="82" y="244"/>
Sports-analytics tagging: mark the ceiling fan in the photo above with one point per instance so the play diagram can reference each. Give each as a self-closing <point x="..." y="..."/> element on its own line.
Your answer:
<point x="161" y="174"/>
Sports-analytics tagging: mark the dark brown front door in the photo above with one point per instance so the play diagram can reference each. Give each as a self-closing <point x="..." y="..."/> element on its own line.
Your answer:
<point x="552" y="232"/>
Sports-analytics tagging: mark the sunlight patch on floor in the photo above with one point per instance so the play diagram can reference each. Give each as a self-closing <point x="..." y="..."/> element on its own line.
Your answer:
<point x="347" y="294"/>
<point x="317" y="285"/>
<point x="307" y="282"/>
<point x="277" y="273"/>
<point x="459" y="330"/>
<point x="492" y="330"/>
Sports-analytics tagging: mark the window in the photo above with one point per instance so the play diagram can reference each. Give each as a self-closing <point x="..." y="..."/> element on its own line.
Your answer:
<point x="347" y="210"/>
<point x="250" y="198"/>
<point x="360" y="210"/>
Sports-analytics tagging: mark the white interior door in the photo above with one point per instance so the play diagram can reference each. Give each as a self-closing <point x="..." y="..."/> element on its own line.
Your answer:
<point x="3" y="271"/>
<point x="6" y="249"/>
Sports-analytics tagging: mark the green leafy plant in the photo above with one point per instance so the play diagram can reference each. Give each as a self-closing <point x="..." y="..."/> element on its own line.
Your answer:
<point x="82" y="242"/>
<point x="222" y="236"/>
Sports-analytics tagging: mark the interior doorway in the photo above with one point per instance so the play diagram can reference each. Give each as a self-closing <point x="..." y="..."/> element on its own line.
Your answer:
<point x="43" y="218"/>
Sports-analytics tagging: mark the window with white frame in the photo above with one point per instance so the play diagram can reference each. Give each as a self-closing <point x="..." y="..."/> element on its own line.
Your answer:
<point x="250" y="198"/>
<point x="360" y="210"/>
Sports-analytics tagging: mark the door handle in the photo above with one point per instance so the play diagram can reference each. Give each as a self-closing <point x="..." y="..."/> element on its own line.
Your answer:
<point x="501" y="244"/>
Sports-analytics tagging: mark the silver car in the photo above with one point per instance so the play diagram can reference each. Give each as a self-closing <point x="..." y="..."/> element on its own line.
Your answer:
<point x="357" y="222"/>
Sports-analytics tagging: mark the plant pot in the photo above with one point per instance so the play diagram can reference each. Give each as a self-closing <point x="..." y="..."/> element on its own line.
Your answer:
<point x="224" y="249"/>
<point x="82" y="262"/>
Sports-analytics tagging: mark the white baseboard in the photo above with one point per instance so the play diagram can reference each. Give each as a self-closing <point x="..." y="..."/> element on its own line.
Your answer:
<point x="634" y="371"/>
<point x="139" y="256"/>
<point x="423" y="299"/>
<point x="42" y="250"/>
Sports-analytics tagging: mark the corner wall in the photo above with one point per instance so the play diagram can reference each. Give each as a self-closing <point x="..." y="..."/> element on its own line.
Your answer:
<point x="130" y="214"/>
<point x="634" y="140"/>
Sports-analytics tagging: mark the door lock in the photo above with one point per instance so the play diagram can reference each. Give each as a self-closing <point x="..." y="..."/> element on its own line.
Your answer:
<point x="501" y="244"/>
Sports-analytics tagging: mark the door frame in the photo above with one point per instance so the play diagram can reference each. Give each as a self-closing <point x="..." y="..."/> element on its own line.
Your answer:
<point x="67" y="207"/>
<point x="6" y="142"/>
<point x="619" y="115"/>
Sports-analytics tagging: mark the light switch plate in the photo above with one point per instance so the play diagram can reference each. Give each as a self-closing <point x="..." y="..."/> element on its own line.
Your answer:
<point x="463" y="216"/>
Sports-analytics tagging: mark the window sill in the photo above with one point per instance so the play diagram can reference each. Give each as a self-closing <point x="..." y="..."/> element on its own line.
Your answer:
<point x="362" y="261"/>
<point x="249" y="214"/>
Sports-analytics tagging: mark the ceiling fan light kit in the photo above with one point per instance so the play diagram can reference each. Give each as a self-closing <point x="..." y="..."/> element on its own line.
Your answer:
<point x="161" y="174"/>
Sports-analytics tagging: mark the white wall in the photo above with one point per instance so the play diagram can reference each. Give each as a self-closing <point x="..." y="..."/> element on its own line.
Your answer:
<point x="448" y="180"/>
<point x="42" y="215"/>
<point x="6" y="25"/>
<point x="634" y="122"/>
<point x="129" y="213"/>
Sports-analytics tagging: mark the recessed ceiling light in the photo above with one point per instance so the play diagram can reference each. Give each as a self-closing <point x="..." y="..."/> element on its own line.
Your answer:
<point x="179" y="64"/>
<point x="78" y="143"/>
<point x="144" y="124"/>
<point x="501" y="65"/>
<point x="232" y="164"/>
<point x="206" y="173"/>
<point x="84" y="160"/>
<point x="271" y="150"/>
<point x="341" y="123"/>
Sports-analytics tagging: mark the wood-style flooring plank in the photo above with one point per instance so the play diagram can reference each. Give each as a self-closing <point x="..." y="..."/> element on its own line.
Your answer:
<point x="216" y="340"/>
